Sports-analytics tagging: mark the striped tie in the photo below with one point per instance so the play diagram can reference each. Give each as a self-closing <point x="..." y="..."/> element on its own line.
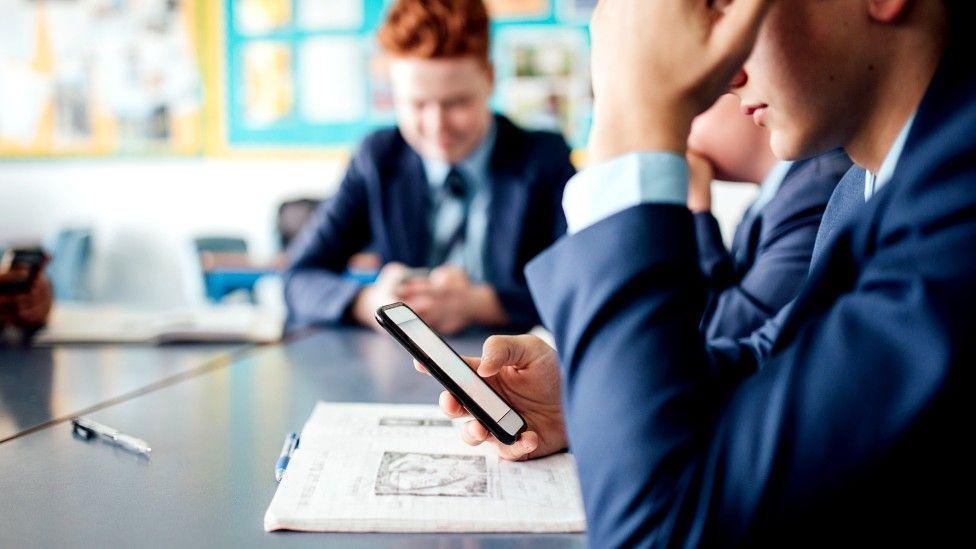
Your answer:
<point x="450" y="225"/>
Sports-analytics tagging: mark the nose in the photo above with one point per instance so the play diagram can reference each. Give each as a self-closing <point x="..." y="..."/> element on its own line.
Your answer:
<point x="434" y="118"/>
<point x="739" y="80"/>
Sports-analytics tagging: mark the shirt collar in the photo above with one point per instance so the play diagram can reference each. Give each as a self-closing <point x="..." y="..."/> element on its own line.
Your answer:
<point x="771" y="184"/>
<point x="474" y="167"/>
<point x="873" y="182"/>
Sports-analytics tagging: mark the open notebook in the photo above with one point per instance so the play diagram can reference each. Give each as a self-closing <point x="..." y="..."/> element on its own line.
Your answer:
<point x="402" y="468"/>
<point x="108" y="324"/>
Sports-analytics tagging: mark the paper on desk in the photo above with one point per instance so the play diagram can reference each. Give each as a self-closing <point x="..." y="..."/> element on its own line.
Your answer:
<point x="402" y="468"/>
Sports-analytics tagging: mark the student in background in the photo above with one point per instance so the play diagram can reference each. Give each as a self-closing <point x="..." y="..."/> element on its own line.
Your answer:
<point x="772" y="246"/>
<point x="453" y="189"/>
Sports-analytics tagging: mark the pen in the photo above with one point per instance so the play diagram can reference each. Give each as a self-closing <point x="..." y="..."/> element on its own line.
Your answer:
<point x="291" y="442"/>
<point x="89" y="429"/>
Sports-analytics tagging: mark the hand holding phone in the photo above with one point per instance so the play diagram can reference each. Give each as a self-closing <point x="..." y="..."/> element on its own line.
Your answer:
<point x="19" y="268"/>
<point x="447" y="367"/>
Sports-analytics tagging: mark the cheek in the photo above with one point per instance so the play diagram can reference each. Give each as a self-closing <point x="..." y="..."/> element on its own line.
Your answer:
<point x="464" y="120"/>
<point x="409" y="120"/>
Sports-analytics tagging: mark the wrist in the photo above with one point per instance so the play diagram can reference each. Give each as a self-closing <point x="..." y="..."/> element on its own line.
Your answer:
<point x="619" y="131"/>
<point x="361" y="308"/>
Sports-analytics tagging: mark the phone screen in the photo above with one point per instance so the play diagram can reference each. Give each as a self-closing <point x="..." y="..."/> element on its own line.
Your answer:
<point x="451" y="364"/>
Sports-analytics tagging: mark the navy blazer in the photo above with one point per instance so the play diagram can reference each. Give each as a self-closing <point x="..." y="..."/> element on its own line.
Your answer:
<point x="854" y="427"/>
<point x="383" y="201"/>
<point x="771" y="249"/>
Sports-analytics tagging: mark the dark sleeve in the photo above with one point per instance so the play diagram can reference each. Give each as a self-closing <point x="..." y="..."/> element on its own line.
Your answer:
<point x="315" y="290"/>
<point x="713" y="256"/>
<point x="667" y="458"/>
<point x="516" y="299"/>
<point x="562" y="173"/>
<point x="741" y="303"/>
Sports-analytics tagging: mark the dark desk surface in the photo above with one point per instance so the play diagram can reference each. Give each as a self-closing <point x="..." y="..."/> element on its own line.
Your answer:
<point x="215" y="438"/>
<point x="44" y="384"/>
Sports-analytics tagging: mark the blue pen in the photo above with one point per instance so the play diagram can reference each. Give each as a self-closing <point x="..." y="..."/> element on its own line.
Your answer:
<point x="291" y="442"/>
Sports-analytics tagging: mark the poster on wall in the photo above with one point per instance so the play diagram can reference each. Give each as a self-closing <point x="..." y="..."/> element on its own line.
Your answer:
<point x="326" y="83"/>
<point x="330" y="14"/>
<point x="99" y="77"/>
<point x="333" y="80"/>
<point x="575" y="11"/>
<point x="269" y="93"/>
<point x="543" y="79"/>
<point x="261" y="16"/>
<point x="518" y="9"/>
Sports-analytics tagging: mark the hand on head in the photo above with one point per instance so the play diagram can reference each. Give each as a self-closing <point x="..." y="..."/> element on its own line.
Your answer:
<point x="524" y="370"/>
<point x="700" y="176"/>
<point x="652" y="76"/>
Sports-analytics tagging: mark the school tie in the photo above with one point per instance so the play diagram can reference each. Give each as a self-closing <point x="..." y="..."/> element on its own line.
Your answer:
<point x="450" y="221"/>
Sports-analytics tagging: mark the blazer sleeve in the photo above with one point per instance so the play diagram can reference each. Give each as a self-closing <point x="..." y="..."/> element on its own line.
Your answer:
<point x="742" y="302"/>
<point x="315" y="290"/>
<point x="714" y="257"/>
<point x="669" y="456"/>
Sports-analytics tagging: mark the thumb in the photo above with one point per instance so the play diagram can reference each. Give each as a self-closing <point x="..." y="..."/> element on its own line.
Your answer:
<point x="501" y="351"/>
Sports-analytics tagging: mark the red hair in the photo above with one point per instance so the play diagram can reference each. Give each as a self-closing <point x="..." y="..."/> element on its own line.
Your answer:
<point x="436" y="29"/>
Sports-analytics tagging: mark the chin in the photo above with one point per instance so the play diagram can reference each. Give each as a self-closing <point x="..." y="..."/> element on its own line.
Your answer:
<point x="794" y="144"/>
<point x="789" y="147"/>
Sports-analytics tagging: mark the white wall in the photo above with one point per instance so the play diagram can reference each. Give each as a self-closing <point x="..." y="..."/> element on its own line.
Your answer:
<point x="144" y="213"/>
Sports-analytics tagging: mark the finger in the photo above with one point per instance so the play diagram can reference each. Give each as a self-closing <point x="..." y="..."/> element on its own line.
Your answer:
<point x="420" y="367"/>
<point x="735" y="33"/>
<point x="474" y="433"/>
<point x="520" y="450"/>
<point x="472" y="361"/>
<point x="516" y="351"/>
<point x="424" y="310"/>
<point x="497" y="352"/>
<point x="411" y="289"/>
<point x="450" y="406"/>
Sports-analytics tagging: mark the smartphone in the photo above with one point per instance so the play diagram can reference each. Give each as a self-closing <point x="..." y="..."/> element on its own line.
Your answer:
<point x="454" y="374"/>
<point x="29" y="259"/>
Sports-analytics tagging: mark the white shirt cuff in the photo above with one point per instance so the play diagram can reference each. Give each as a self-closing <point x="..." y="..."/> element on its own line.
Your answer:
<point x="601" y="191"/>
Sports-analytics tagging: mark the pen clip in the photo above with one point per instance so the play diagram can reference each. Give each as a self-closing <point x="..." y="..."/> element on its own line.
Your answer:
<point x="81" y="431"/>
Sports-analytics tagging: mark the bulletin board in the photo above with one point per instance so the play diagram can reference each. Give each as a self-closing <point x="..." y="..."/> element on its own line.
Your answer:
<point x="217" y="77"/>
<point x="308" y="73"/>
<point x="100" y="77"/>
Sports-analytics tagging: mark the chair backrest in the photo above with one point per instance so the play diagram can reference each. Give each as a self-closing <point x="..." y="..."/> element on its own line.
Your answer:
<point x="70" y="264"/>
<point x="292" y="216"/>
<point x="220" y="244"/>
<point x="220" y="257"/>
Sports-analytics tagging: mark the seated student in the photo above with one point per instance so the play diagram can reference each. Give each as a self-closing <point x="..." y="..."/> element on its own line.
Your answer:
<point x="772" y="246"/>
<point x="852" y="427"/>
<point x="452" y="188"/>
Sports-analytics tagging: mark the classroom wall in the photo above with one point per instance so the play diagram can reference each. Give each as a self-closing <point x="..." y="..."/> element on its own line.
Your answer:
<point x="144" y="213"/>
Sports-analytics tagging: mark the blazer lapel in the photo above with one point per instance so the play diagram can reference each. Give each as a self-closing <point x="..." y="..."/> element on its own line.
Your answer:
<point x="405" y="211"/>
<point x="507" y="210"/>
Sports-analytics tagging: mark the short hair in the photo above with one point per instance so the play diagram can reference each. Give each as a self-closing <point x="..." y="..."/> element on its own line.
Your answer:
<point x="436" y="29"/>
